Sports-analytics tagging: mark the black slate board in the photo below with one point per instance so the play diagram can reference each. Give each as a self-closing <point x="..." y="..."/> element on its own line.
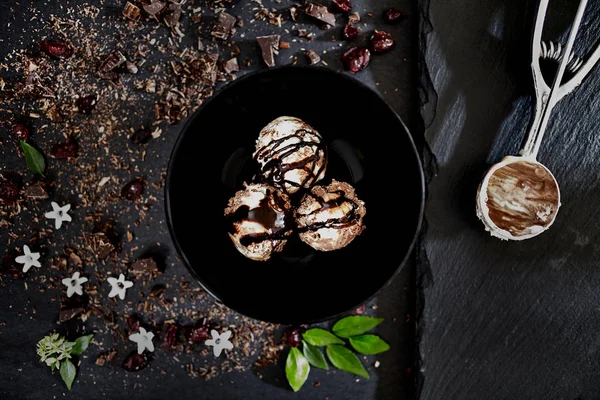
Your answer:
<point x="27" y="314"/>
<point x="505" y="320"/>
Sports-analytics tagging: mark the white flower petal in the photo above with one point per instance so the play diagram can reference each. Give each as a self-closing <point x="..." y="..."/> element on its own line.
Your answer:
<point x="226" y="335"/>
<point x="150" y="345"/>
<point x="36" y="264"/>
<point x="21" y="259"/>
<point x="210" y="342"/>
<point x="26" y="267"/>
<point x="83" y="279"/>
<point x="217" y="351"/>
<point x="227" y="345"/>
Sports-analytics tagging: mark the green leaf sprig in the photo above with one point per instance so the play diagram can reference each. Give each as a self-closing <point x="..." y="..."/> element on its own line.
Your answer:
<point x="56" y="352"/>
<point x="354" y="329"/>
<point x="34" y="159"/>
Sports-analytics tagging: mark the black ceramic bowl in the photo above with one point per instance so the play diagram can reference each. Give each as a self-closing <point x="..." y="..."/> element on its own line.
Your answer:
<point x="369" y="147"/>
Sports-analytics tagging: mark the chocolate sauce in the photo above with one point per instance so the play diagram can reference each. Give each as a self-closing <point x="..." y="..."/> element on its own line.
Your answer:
<point x="270" y="213"/>
<point x="347" y="220"/>
<point x="276" y="167"/>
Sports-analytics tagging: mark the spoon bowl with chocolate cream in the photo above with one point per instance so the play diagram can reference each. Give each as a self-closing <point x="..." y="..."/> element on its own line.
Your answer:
<point x="519" y="197"/>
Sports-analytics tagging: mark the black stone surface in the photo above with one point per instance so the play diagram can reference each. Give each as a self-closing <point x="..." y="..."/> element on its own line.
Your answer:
<point x="27" y="314"/>
<point x="506" y="320"/>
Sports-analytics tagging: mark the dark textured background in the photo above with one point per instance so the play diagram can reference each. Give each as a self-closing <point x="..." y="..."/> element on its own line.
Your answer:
<point x="27" y="315"/>
<point x="506" y="320"/>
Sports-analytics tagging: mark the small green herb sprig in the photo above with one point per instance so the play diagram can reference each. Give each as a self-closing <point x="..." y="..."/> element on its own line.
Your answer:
<point x="56" y="352"/>
<point x="34" y="159"/>
<point x="354" y="329"/>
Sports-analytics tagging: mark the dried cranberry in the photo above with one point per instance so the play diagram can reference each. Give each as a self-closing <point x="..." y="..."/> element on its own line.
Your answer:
<point x="381" y="42"/>
<point x="350" y="32"/>
<point x="56" y="48"/>
<point x="359" y="310"/>
<point x="9" y="190"/>
<point x="198" y="333"/>
<point x="141" y="136"/>
<point x="393" y="15"/>
<point x="356" y="59"/>
<point x="291" y="336"/>
<point x="170" y="339"/>
<point x="133" y="190"/>
<point x="135" y="362"/>
<point x="342" y="5"/>
<point x="10" y="267"/>
<point x="86" y="104"/>
<point x="67" y="149"/>
<point x="134" y="323"/>
<point x="20" y="131"/>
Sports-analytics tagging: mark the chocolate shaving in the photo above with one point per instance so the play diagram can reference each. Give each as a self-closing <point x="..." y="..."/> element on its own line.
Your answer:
<point x="131" y="11"/>
<point x="106" y="356"/>
<point x="55" y="114"/>
<point x="294" y="12"/>
<point x="232" y="65"/>
<point x="67" y="314"/>
<point x="321" y="13"/>
<point x="172" y="15"/>
<point x="144" y="266"/>
<point x="112" y="61"/>
<point x="35" y="192"/>
<point x="99" y="244"/>
<point x="268" y="46"/>
<point x="312" y="57"/>
<point x="223" y="26"/>
<point x="154" y="8"/>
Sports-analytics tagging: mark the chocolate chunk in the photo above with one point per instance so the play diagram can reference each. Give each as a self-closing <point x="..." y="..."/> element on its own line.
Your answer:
<point x="312" y="57"/>
<point x="99" y="244"/>
<point x="35" y="192"/>
<point x="321" y="13"/>
<point x="268" y="46"/>
<point x="154" y="8"/>
<point x="112" y="61"/>
<point x="232" y="65"/>
<point x="223" y="26"/>
<point x="106" y="356"/>
<point x="131" y="11"/>
<point x="172" y="15"/>
<point x="144" y="266"/>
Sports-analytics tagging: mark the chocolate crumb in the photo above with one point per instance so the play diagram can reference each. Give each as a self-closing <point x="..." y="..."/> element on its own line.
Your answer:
<point x="131" y="11"/>
<point x="312" y="57"/>
<point x="154" y="8"/>
<point x="103" y="357"/>
<point x="232" y="65"/>
<point x="99" y="244"/>
<point x="321" y="13"/>
<point x="35" y="192"/>
<point x="223" y="26"/>
<point x="144" y="266"/>
<point x="172" y="15"/>
<point x="268" y="46"/>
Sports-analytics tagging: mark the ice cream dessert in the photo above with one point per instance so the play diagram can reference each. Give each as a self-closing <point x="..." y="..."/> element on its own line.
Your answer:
<point x="330" y="217"/>
<point x="291" y="154"/>
<point x="261" y="221"/>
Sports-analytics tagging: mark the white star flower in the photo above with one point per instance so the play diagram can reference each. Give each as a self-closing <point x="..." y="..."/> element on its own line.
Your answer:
<point x="219" y="342"/>
<point x="119" y="286"/>
<point x="59" y="214"/>
<point x="29" y="259"/>
<point x="73" y="284"/>
<point x="143" y="340"/>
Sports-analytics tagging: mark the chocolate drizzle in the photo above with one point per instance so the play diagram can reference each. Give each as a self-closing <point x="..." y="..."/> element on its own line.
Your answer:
<point x="276" y="167"/>
<point x="348" y="219"/>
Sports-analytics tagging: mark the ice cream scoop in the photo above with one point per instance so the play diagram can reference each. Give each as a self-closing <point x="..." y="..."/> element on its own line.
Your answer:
<point x="330" y="217"/>
<point x="291" y="154"/>
<point x="261" y="221"/>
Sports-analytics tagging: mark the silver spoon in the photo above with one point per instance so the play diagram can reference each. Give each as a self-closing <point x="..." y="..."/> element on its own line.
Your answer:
<point x="519" y="197"/>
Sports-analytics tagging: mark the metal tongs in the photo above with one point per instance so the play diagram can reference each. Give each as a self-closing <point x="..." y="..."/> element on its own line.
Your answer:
<point x="519" y="197"/>
<point x="547" y="97"/>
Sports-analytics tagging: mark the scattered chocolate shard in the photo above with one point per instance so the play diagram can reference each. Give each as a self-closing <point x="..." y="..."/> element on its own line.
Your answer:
<point x="131" y="11"/>
<point x="154" y="8"/>
<point x="312" y="57"/>
<point x="353" y="18"/>
<point x="172" y="15"/>
<point x="114" y="59"/>
<point x="294" y="12"/>
<point x="35" y="192"/>
<point x="223" y="26"/>
<point x="157" y="291"/>
<point x="321" y="13"/>
<point x="66" y="315"/>
<point x="131" y="67"/>
<point x="99" y="244"/>
<point x="144" y="266"/>
<point x="232" y="65"/>
<point x="55" y="114"/>
<point x="268" y="46"/>
<point x="106" y="356"/>
<point x="239" y="22"/>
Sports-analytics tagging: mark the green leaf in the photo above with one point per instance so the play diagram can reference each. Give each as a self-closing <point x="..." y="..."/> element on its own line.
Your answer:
<point x="81" y="344"/>
<point x="345" y="360"/>
<point x="296" y="369"/>
<point x="355" y="325"/>
<point x="320" y="337"/>
<point x="314" y="356"/>
<point x="35" y="159"/>
<point x="369" y="344"/>
<point x="68" y="372"/>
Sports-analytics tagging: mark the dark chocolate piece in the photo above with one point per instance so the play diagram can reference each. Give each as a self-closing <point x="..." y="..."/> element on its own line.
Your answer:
<point x="35" y="192"/>
<point x="131" y="11"/>
<point x="172" y="15"/>
<point x="154" y="8"/>
<point x="268" y="46"/>
<point x="312" y="57"/>
<point x="232" y="65"/>
<point x="145" y="266"/>
<point x="99" y="244"/>
<point x="223" y="26"/>
<point x="112" y="61"/>
<point x="321" y="13"/>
